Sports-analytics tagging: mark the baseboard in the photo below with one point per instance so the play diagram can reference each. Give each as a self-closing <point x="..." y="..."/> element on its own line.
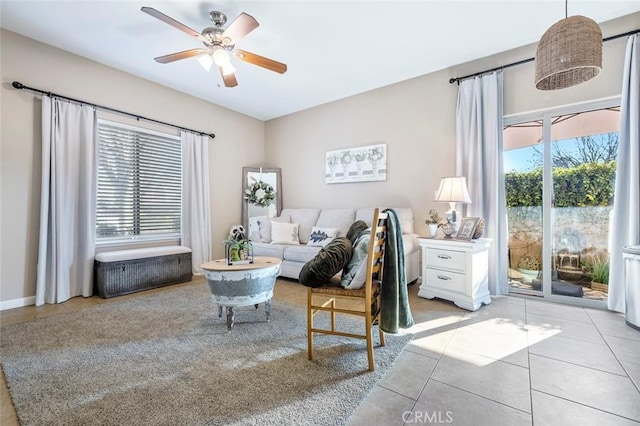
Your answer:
<point x="17" y="303"/>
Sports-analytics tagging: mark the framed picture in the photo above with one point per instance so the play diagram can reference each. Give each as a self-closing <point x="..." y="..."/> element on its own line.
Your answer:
<point x="467" y="228"/>
<point x="362" y="164"/>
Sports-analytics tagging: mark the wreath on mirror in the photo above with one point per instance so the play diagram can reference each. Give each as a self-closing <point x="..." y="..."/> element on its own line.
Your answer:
<point x="260" y="194"/>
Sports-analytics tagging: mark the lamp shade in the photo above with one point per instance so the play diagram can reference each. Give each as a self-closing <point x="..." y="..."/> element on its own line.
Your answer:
<point x="569" y="53"/>
<point x="453" y="189"/>
<point x="206" y="61"/>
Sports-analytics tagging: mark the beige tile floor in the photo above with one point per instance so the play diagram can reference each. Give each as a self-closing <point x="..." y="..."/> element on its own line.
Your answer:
<point x="514" y="362"/>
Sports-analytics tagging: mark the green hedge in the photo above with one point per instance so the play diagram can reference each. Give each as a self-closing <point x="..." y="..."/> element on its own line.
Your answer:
<point x="589" y="184"/>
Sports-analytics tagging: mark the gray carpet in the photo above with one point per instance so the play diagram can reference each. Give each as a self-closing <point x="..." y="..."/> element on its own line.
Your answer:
<point x="167" y="359"/>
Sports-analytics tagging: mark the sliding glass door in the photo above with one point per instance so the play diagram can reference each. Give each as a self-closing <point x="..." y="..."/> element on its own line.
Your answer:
<point x="559" y="180"/>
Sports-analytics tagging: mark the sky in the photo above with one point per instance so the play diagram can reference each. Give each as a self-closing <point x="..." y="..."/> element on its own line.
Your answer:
<point x="522" y="159"/>
<point x="519" y="160"/>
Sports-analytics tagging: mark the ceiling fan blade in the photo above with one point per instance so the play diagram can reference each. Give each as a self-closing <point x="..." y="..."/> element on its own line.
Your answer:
<point x="239" y="28"/>
<point x="229" y="79"/>
<point x="167" y="19"/>
<point x="260" y="61"/>
<point x="180" y="55"/>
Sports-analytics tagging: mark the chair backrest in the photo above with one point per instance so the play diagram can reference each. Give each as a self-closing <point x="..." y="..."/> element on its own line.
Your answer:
<point x="375" y="255"/>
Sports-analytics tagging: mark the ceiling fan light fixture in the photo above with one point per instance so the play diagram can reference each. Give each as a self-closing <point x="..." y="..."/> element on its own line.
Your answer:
<point x="569" y="53"/>
<point x="227" y="69"/>
<point x="206" y="61"/>
<point x="221" y="57"/>
<point x="218" y="42"/>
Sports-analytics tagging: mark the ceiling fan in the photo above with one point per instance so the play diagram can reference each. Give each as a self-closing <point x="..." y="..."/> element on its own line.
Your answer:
<point x="218" y="43"/>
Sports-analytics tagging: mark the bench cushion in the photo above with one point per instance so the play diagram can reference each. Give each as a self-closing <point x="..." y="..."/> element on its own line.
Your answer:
<point x="141" y="253"/>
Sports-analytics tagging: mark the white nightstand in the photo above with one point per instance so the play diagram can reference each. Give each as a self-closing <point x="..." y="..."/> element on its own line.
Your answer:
<point x="456" y="270"/>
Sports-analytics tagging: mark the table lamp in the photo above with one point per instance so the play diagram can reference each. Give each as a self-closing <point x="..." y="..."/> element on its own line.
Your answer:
<point x="453" y="189"/>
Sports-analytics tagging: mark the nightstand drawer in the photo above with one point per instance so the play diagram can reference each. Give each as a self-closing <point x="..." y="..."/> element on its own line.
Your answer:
<point x="446" y="259"/>
<point x="445" y="280"/>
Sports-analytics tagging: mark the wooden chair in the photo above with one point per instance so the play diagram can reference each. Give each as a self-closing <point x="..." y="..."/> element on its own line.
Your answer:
<point x="367" y="298"/>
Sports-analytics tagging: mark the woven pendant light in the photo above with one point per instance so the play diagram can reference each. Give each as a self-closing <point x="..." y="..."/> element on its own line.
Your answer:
<point x="569" y="53"/>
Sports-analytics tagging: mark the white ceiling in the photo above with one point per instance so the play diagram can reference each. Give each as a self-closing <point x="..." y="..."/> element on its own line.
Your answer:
<point x="333" y="49"/>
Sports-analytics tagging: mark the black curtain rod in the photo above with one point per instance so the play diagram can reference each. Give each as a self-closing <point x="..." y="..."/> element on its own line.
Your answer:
<point x="524" y="61"/>
<point x="18" y="85"/>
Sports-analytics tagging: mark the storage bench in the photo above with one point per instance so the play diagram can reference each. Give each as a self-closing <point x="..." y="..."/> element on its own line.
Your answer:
<point x="128" y="271"/>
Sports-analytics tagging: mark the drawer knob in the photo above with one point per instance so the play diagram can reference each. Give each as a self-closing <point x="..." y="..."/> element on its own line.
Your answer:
<point x="443" y="277"/>
<point x="444" y="256"/>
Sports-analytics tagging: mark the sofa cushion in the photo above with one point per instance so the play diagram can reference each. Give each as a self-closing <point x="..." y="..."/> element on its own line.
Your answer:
<point x="284" y="233"/>
<point x="307" y="218"/>
<point x="410" y="243"/>
<point x="329" y="261"/>
<point x="320" y="237"/>
<point x="366" y="214"/>
<point x="301" y="253"/>
<point x="405" y="216"/>
<point x="337" y="218"/>
<point x="268" y="249"/>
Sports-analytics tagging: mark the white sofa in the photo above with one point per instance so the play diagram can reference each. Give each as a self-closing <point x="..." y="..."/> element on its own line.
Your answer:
<point x="295" y="256"/>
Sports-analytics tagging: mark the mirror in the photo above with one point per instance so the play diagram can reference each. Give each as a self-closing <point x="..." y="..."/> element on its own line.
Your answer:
<point x="261" y="195"/>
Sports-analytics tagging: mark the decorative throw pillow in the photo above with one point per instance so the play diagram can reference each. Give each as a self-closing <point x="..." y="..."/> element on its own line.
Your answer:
<point x="264" y="226"/>
<point x="331" y="259"/>
<point x="284" y="233"/>
<point x="355" y="230"/>
<point x="357" y="266"/>
<point x="320" y="237"/>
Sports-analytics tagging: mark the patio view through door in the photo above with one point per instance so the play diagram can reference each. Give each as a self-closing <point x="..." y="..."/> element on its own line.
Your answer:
<point x="559" y="182"/>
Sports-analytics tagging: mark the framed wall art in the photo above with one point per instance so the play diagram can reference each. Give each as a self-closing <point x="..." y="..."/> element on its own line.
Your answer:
<point x="361" y="164"/>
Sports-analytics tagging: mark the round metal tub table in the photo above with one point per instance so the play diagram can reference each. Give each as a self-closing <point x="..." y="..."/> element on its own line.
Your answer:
<point x="242" y="285"/>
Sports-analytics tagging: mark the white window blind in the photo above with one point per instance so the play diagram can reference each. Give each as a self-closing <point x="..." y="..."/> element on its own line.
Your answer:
<point x="139" y="183"/>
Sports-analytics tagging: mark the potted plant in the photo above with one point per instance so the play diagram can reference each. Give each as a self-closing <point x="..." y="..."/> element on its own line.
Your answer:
<point x="598" y="269"/>
<point x="434" y="222"/>
<point x="238" y="250"/>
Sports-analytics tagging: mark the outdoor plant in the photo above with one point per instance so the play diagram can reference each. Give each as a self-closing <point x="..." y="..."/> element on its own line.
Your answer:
<point x="598" y="268"/>
<point x="589" y="184"/>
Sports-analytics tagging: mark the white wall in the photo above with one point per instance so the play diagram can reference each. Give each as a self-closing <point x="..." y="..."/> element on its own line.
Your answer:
<point x="239" y="142"/>
<point x="416" y="118"/>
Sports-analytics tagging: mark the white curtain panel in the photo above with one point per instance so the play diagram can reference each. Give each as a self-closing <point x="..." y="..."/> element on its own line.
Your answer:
<point x="479" y="159"/>
<point x="67" y="201"/>
<point x="626" y="199"/>
<point x="196" y="211"/>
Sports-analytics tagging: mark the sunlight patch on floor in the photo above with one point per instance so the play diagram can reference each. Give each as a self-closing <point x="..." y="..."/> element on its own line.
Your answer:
<point x="480" y="342"/>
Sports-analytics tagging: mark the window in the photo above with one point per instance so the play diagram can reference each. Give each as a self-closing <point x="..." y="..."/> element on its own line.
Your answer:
<point x="559" y="181"/>
<point x="139" y="184"/>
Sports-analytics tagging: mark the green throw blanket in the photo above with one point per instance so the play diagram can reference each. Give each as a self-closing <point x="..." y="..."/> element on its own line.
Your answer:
<point x="395" y="311"/>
